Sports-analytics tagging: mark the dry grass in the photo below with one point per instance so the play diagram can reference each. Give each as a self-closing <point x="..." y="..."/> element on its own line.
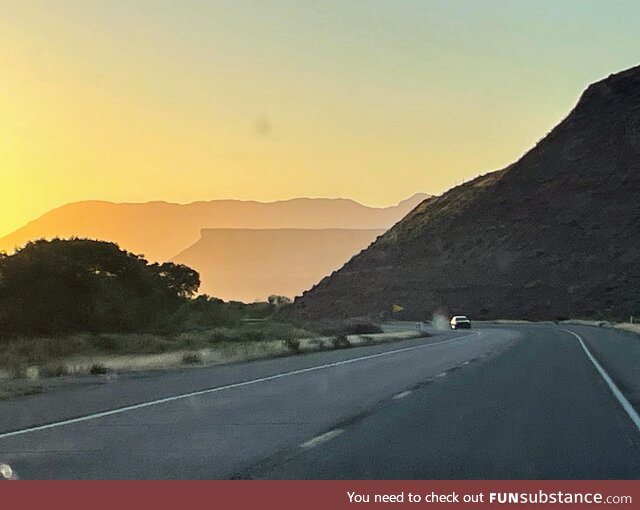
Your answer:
<point x="510" y="321"/>
<point x="55" y="357"/>
<point x="582" y="322"/>
<point x="37" y="358"/>
<point x="626" y="326"/>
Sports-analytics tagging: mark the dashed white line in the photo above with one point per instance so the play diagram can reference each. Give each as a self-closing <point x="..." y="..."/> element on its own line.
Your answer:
<point x="166" y="400"/>
<point x="323" y="438"/>
<point x="626" y="405"/>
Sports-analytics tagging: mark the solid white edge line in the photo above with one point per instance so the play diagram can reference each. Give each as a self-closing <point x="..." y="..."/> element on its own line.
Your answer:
<point x="165" y="400"/>
<point x="626" y="405"/>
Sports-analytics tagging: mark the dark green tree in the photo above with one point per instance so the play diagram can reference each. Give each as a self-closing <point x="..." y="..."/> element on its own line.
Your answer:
<point x="63" y="286"/>
<point x="181" y="279"/>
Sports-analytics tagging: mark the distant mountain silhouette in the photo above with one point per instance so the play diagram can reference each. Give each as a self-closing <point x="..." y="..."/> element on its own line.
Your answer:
<point x="160" y="230"/>
<point x="556" y="234"/>
<point x="251" y="264"/>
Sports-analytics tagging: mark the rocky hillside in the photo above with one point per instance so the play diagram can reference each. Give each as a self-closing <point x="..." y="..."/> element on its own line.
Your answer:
<point x="556" y="234"/>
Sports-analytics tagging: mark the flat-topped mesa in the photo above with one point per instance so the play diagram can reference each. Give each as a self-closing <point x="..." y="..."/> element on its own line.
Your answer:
<point x="250" y="264"/>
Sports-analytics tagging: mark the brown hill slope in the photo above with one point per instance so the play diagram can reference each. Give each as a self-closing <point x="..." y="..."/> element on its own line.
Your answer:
<point x="556" y="234"/>
<point x="251" y="264"/>
<point x="159" y="230"/>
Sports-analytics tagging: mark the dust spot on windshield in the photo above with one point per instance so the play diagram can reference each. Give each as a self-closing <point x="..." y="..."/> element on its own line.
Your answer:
<point x="7" y="473"/>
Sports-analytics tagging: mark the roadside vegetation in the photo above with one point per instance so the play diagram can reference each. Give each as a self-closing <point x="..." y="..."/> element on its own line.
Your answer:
<point x="632" y="327"/>
<point x="105" y="353"/>
<point x="87" y="307"/>
<point x="626" y="326"/>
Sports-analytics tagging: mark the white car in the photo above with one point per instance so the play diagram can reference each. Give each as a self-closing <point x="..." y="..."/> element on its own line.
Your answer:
<point x="460" y="322"/>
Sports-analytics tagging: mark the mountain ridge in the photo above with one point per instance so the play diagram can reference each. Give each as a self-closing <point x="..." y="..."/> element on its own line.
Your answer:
<point x="159" y="229"/>
<point x="554" y="234"/>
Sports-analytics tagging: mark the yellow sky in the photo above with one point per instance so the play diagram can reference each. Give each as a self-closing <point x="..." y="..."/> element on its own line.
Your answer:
<point x="193" y="100"/>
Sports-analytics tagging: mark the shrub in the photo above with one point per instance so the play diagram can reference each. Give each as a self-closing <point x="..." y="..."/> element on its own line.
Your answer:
<point x="284" y="331"/>
<point x="320" y="344"/>
<point x="205" y="312"/>
<point x="363" y="328"/>
<point x="54" y="370"/>
<point x="292" y="344"/>
<point x="14" y="365"/>
<point x="132" y="343"/>
<point x="341" y="342"/>
<point x="191" y="358"/>
<point x="253" y="335"/>
<point x="342" y="327"/>
<point x="98" y="369"/>
<point x="190" y="340"/>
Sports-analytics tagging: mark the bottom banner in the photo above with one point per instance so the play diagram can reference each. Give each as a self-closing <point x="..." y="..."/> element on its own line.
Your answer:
<point x="351" y="495"/>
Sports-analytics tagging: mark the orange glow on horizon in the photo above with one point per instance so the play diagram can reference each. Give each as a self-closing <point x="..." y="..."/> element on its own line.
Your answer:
<point x="131" y="102"/>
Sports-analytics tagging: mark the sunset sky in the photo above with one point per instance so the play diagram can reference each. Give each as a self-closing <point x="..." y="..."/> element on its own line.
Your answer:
<point x="374" y="100"/>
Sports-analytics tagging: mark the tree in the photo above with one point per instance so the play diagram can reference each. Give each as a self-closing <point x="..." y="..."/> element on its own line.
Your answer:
<point x="278" y="301"/>
<point x="63" y="286"/>
<point x="181" y="279"/>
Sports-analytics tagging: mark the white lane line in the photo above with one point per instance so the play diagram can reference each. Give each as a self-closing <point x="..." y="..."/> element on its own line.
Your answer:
<point x="401" y="395"/>
<point x="626" y="405"/>
<point x="317" y="441"/>
<point x="165" y="400"/>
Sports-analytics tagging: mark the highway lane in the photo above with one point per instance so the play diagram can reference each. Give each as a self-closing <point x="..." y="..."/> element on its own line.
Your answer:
<point x="502" y="402"/>
<point x="538" y="411"/>
<point x="245" y="413"/>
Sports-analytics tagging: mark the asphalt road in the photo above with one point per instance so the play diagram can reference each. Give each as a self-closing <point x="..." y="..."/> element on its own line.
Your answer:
<point x="508" y="401"/>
